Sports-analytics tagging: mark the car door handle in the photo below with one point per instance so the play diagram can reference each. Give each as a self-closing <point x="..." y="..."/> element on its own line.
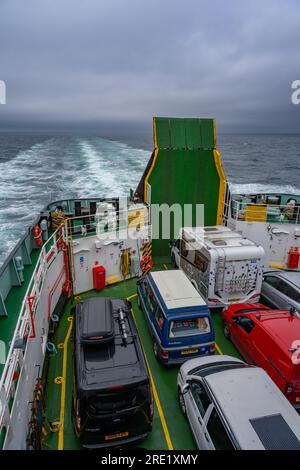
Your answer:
<point x="206" y="436"/>
<point x="200" y="421"/>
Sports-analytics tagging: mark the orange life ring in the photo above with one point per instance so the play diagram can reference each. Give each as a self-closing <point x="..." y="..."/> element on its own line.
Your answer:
<point x="37" y="234"/>
<point x="146" y="263"/>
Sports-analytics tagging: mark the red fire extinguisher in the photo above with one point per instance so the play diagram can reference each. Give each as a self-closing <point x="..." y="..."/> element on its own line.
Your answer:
<point x="293" y="258"/>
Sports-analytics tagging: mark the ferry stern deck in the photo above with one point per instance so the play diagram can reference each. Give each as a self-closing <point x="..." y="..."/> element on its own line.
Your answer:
<point x="170" y="428"/>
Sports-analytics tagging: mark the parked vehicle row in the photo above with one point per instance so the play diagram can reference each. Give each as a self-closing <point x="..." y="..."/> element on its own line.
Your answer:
<point x="229" y="403"/>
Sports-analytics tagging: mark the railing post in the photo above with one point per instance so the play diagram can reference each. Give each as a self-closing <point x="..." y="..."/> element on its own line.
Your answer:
<point x="5" y="415"/>
<point x="30" y="301"/>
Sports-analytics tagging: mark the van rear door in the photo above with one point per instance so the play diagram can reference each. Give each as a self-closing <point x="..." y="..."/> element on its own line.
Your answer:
<point x="117" y="414"/>
<point x="193" y="333"/>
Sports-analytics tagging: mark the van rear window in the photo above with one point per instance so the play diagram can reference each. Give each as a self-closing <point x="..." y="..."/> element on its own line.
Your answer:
<point x="189" y="327"/>
<point x="119" y="400"/>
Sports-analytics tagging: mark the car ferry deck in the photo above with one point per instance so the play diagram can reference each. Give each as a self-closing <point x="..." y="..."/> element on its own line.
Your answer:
<point x="56" y="264"/>
<point x="170" y="428"/>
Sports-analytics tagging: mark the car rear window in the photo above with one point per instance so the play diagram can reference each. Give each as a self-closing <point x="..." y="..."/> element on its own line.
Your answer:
<point x="214" y="368"/>
<point x="113" y="401"/>
<point x="189" y="327"/>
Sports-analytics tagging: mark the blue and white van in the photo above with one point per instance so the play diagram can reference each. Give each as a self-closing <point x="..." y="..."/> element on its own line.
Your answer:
<point x="179" y="319"/>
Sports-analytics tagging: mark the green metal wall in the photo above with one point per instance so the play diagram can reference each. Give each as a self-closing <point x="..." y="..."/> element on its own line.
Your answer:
<point x="184" y="171"/>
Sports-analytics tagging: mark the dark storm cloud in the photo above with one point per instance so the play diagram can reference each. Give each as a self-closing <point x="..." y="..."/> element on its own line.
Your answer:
<point x="81" y="63"/>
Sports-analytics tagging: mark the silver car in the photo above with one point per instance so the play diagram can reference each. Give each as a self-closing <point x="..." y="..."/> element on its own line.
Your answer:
<point x="231" y="405"/>
<point x="281" y="289"/>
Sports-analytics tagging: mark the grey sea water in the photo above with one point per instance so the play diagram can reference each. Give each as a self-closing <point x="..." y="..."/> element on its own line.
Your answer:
<point x="38" y="168"/>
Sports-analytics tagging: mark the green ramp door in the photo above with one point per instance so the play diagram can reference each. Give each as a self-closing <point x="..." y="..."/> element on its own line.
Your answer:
<point x="185" y="168"/>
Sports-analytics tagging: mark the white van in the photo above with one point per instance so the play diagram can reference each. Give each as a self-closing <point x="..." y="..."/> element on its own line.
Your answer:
<point x="224" y="266"/>
<point x="231" y="405"/>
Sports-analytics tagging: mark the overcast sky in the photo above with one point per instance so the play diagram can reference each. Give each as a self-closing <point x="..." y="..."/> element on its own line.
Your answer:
<point x="71" y="63"/>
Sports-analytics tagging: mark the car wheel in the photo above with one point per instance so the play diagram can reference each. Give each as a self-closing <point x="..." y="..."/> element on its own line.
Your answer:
<point x="226" y="330"/>
<point x="181" y="403"/>
<point x="155" y="349"/>
<point x="139" y="302"/>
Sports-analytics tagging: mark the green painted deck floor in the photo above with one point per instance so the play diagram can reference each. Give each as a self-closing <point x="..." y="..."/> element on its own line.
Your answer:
<point x="164" y="380"/>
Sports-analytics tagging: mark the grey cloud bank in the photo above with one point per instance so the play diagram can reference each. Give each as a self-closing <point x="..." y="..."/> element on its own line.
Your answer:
<point x="72" y="64"/>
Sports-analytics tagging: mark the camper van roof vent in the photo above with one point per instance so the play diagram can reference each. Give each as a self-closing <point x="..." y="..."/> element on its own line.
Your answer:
<point x="245" y="242"/>
<point x="219" y="242"/>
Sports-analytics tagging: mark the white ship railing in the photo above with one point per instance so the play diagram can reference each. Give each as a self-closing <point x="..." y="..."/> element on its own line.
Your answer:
<point x="88" y="225"/>
<point x="261" y="212"/>
<point x="24" y="329"/>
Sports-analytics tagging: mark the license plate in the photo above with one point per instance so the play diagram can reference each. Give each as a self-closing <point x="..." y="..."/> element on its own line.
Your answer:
<point x="189" y="351"/>
<point x="297" y="399"/>
<point x="235" y="299"/>
<point x="116" y="436"/>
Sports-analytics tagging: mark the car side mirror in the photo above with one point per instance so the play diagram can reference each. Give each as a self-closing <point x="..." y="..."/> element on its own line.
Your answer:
<point x="185" y="389"/>
<point x="172" y="243"/>
<point x="236" y="321"/>
<point x="293" y="311"/>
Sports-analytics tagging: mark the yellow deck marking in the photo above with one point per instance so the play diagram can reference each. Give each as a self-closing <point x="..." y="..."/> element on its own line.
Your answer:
<point x="157" y="401"/>
<point x="63" y="388"/>
<point x="131" y="296"/>
<point x="166" y="267"/>
<point x="219" y="349"/>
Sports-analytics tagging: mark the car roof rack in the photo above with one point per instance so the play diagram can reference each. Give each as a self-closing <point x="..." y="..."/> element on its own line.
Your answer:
<point x="121" y="318"/>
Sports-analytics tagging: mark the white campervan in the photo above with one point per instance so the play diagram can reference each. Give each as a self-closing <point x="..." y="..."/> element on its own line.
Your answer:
<point x="224" y="266"/>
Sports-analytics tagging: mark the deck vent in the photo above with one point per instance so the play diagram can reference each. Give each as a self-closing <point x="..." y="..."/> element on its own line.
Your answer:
<point x="219" y="242"/>
<point x="275" y="433"/>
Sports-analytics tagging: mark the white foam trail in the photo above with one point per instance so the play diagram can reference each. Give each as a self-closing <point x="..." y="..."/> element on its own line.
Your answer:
<point x="253" y="188"/>
<point x="59" y="168"/>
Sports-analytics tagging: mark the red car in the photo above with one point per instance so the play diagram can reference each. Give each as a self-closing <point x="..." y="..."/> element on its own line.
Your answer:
<point x="269" y="339"/>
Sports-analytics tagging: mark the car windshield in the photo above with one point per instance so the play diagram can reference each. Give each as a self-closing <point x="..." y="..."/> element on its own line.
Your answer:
<point x="189" y="327"/>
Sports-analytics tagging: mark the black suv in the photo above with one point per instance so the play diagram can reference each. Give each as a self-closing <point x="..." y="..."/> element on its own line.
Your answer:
<point x="112" y="397"/>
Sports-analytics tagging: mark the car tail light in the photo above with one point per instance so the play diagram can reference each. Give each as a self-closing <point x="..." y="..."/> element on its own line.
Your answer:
<point x="253" y="296"/>
<point x="212" y="347"/>
<point x="217" y="301"/>
<point x="116" y="387"/>
<point x="164" y="354"/>
<point x="289" y="388"/>
<point x="77" y="417"/>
